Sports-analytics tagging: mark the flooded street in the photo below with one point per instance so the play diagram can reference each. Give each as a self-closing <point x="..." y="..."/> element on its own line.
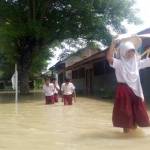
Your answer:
<point x="86" y="125"/>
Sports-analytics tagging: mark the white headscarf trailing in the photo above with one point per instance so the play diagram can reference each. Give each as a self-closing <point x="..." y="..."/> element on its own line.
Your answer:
<point x="130" y="70"/>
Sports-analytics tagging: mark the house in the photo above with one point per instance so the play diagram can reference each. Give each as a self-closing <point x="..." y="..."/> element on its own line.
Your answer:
<point x="89" y="71"/>
<point x="62" y="67"/>
<point x="88" y="75"/>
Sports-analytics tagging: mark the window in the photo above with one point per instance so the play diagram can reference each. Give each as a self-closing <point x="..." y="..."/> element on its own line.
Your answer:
<point x="75" y="74"/>
<point x="102" y="67"/>
<point x="81" y="73"/>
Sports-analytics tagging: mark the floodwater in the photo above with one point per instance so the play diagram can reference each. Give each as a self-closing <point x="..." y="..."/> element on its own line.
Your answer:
<point x="86" y="125"/>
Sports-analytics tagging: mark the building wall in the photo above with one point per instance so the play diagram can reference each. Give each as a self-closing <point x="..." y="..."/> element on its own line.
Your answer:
<point x="95" y="80"/>
<point x="80" y="85"/>
<point x="145" y="80"/>
<point x="71" y="60"/>
<point x="80" y="56"/>
<point x="88" y="52"/>
<point x="68" y="74"/>
<point x="104" y="85"/>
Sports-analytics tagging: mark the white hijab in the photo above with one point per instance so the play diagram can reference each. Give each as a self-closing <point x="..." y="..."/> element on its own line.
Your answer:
<point x="130" y="70"/>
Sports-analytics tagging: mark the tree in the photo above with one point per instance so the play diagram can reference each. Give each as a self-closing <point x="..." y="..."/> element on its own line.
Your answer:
<point x="28" y="28"/>
<point x="69" y="47"/>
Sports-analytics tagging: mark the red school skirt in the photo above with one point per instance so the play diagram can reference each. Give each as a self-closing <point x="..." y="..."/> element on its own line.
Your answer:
<point x="129" y="110"/>
<point x="49" y="99"/>
<point x="67" y="99"/>
<point x="56" y="97"/>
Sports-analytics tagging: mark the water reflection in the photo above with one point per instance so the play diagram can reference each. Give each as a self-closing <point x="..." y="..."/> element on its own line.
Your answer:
<point x="86" y="125"/>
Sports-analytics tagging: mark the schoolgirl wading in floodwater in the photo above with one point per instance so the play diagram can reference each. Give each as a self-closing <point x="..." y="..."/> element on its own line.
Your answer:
<point x="129" y="107"/>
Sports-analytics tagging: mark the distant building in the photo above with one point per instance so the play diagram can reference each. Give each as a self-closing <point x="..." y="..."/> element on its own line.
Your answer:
<point x="60" y="68"/>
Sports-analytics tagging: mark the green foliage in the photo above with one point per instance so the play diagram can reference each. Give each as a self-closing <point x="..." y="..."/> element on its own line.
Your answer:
<point x="69" y="47"/>
<point x="48" y="22"/>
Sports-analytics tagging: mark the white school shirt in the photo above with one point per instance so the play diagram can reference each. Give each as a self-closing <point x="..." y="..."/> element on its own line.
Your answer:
<point x="48" y="90"/>
<point x="57" y="87"/>
<point x="67" y="89"/>
<point x="137" y="88"/>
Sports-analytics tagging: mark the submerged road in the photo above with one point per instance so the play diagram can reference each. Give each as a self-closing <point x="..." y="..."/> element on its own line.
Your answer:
<point x="86" y="125"/>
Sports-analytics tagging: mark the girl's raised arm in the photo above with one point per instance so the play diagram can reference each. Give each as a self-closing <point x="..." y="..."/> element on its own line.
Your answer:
<point x="110" y="52"/>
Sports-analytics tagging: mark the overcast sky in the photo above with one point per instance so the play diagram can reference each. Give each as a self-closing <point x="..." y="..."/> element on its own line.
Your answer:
<point x="143" y="14"/>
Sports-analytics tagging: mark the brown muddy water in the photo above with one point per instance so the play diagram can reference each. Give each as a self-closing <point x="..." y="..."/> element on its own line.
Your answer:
<point x="86" y="125"/>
